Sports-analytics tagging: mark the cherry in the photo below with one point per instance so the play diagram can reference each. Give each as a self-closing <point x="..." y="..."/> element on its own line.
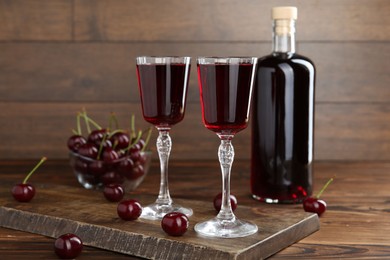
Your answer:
<point x="109" y="155"/>
<point x="68" y="246"/>
<point x="175" y="223"/>
<point x="24" y="192"/>
<point x="137" y="172"/>
<point x="88" y="150"/>
<point x="129" y="209"/>
<point x="120" y="140"/>
<point x="218" y="202"/>
<point x="96" y="136"/>
<point x="113" y="192"/>
<point x="125" y="167"/>
<point x="315" y="205"/>
<point x="97" y="168"/>
<point x="75" y="141"/>
<point x="112" y="177"/>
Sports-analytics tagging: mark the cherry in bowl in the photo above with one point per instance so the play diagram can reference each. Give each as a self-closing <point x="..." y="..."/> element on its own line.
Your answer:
<point x="123" y="170"/>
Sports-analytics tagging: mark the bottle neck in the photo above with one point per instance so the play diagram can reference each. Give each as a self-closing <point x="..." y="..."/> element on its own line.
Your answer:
<point x="283" y="37"/>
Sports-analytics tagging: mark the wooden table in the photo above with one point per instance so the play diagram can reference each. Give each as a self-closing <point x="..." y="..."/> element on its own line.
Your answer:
<point x="356" y="224"/>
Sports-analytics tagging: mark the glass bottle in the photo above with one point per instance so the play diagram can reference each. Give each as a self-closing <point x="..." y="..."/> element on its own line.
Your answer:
<point x="283" y="118"/>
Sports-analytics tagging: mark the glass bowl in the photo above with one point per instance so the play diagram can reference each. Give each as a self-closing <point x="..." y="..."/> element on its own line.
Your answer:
<point x="128" y="171"/>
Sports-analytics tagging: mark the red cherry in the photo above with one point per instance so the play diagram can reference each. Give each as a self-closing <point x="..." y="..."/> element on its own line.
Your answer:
<point x="218" y="202"/>
<point x="120" y="140"/>
<point x="129" y="209"/>
<point x="23" y="192"/>
<point x="113" y="192"/>
<point x="68" y="246"/>
<point x="175" y="223"/>
<point x="314" y="205"/>
<point x="96" y="136"/>
<point x="75" y="141"/>
<point x="110" y="155"/>
<point x="88" y="150"/>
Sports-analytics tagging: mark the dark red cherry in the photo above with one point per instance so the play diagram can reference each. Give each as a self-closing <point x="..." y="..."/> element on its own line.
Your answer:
<point x="109" y="155"/>
<point x="88" y="150"/>
<point x="23" y="192"/>
<point x="96" y="136"/>
<point x="175" y="223"/>
<point x="112" y="177"/>
<point x="97" y="168"/>
<point x="75" y="141"/>
<point x="218" y="202"/>
<point x="314" y="205"/>
<point x="138" y="171"/>
<point x="113" y="192"/>
<point x="68" y="246"/>
<point x="125" y="167"/>
<point x="120" y="140"/>
<point x="129" y="209"/>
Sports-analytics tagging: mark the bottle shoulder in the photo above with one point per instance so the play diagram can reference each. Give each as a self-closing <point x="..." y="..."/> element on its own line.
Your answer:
<point x="272" y="60"/>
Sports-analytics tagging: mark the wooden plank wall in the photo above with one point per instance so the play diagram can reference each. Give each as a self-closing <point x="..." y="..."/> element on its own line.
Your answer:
<point x="59" y="56"/>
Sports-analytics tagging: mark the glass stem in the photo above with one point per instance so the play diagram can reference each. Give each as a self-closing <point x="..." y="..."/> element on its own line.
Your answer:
<point x="226" y="157"/>
<point x="164" y="144"/>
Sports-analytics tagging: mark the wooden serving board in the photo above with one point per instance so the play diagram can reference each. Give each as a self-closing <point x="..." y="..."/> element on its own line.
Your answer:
<point x="56" y="210"/>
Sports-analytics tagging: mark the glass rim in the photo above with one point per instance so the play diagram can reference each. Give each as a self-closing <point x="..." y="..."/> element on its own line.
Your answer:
<point x="163" y="59"/>
<point x="226" y="60"/>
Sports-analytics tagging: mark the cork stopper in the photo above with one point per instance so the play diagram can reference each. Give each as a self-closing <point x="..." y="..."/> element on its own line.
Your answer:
<point x="285" y="13"/>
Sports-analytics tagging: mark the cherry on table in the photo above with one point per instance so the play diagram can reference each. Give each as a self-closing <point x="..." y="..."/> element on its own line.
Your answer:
<point x="68" y="246"/>
<point x="113" y="192"/>
<point x="175" y="223"/>
<point x="24" y="192"/>
<point x="218" y="201"/>
<point x="129" y="209"/>
<point x="314" y="204"/>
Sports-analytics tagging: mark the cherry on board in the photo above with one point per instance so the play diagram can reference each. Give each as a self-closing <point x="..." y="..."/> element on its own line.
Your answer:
<point x="24" y="192"/>
<point x="129" y="209"/>
<point x="175" y="223"/>
<point x="113" y="192"/>
<point x="218" y="201"/>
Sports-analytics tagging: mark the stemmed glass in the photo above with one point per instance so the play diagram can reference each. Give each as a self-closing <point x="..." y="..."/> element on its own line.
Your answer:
<point x="225" y="86"/>
<point x="162" y="83"/>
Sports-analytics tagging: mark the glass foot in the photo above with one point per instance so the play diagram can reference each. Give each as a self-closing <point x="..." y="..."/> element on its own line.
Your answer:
<point x="157" y="211"/>
<point x="225" y="228"/>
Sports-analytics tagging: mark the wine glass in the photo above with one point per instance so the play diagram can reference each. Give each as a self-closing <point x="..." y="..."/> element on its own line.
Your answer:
<point x="225" y="86"/>
<point x="162" y="83"/>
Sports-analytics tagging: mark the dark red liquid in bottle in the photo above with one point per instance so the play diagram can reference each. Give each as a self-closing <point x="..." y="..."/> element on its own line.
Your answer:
<point x="225" y="95"/>
<point x="163" y="90"/>
<point x="282" y="129"/>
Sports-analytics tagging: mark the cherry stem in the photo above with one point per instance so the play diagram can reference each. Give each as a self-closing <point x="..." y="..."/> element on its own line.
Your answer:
<point x="101" y="146"/>
<point x="132" y="126"/>
<point x="86" y="120"/>
<point x="114" y="119"/>
<point x="78" y="124"/>
<point x="34" y="169"/>
<point x="324" y="188"/>
<point x="147" y="138"/>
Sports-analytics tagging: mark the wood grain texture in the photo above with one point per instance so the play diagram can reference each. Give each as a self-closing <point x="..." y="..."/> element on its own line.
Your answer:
<point x="342" y="131"/>
<point x="355" y="225"/>
<point x="59" y="209"/>
<point x="25" y="20"/>
<point x="127" y="20"/>
<point x="97" y="72"/>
